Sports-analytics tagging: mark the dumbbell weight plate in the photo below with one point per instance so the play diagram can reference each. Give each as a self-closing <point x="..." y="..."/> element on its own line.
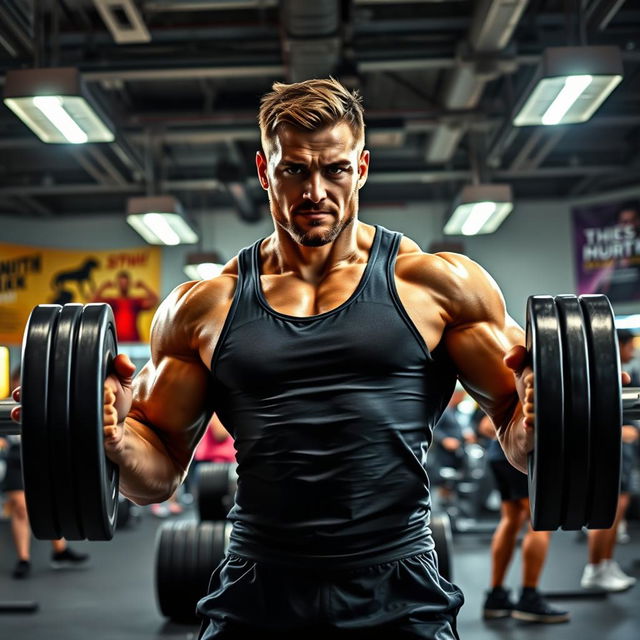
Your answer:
<point x="216" y="481"/>
<point x="163" y="579"/>
<point x="576" y="412"/>
<point x="186" y="555"/>
<point x="442" y="538"/>
<point x="37" y="463"/>
<point x="606" y="410"/>
<point x="96" y="348"/>
<point x="62" y="444"/>
<point x="546" y="461"/>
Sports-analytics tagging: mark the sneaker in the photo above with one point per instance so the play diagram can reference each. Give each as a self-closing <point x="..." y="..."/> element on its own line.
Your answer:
<point x="601" y="576"/>
<point x="532" y="607"/>
<point x="497" y="604"/>
<point x="21" y="570"/>
<point x="68" y="559"/>
<point x="613" y="568"/>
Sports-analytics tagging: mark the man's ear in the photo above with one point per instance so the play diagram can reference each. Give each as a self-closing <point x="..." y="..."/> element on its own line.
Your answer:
<point x="363" y="167"/>
<point x="261" y="166"/>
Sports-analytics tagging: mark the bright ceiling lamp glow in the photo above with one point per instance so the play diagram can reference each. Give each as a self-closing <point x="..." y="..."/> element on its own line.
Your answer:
<point x="480" y="208"/>
<point x="203" y="271"/>
<point x="55" y="104"/>
<point x="574" y="87"/>
<point x="203" y="265"/>
<point x="570" y="85"/>
<point x="158" y="224"/>
<point x="51" y="107"/>
<point x="477" y="218"/>
<point x="160" y="220"/>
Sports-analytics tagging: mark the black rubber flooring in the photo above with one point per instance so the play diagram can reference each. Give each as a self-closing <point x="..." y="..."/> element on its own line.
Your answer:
<point x="114" y="598"/>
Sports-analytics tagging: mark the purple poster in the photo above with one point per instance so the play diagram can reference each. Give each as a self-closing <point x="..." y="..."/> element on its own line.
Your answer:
<point x="607" y="249"/>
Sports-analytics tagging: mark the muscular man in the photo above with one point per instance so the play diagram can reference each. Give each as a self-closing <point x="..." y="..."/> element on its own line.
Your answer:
<point x="329" y="350"/>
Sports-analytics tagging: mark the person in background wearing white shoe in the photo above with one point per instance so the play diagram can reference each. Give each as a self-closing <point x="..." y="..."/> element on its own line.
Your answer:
<point x="603" y="572"/>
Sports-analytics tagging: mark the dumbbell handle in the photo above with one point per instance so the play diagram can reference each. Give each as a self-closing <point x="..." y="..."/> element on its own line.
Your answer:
<point x="631" y="403"/>
<point x="7" y="426"/>
<point x="630" y="411"/>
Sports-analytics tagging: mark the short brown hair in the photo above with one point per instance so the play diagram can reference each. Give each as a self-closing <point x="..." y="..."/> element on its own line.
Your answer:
<point x="311" y="104"/>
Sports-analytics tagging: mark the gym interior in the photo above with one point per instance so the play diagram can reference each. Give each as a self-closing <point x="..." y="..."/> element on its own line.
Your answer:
<point x="507" y="131"/>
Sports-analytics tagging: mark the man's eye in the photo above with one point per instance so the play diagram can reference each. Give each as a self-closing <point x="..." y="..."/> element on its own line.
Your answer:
<point x="336" y="170"/>
<point x="293" y="171"/>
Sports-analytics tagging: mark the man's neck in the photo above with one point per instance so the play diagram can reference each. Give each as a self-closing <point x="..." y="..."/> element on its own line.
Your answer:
<point x="282" y="254"/>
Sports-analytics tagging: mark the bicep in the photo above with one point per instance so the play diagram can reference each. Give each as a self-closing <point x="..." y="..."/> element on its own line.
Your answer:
<point x="171" y="405"/>
<point x="477" y="350"/>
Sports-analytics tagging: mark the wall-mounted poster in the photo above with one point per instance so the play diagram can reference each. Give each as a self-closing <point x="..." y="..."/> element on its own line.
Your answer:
<point x="607" y="249"/>
<point x="127" y="279"/>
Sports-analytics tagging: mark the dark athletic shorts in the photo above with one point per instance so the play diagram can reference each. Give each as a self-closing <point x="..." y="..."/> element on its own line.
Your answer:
<point x="512" y="484"/>
<point x="13" y="476"/>
<point x="404" y="598"/>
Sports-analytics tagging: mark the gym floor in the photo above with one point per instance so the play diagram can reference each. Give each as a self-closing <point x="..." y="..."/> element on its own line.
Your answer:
<point x="114" y="598"/>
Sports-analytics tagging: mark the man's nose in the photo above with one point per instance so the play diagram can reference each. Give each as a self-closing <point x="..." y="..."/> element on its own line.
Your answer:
<point x="314" y="189"/>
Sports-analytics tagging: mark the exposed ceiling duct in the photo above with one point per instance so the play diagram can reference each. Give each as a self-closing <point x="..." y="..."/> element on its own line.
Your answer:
<point x="16" y="28"/>
<point x="492" y="27"/>
<point x="312" y="44"/>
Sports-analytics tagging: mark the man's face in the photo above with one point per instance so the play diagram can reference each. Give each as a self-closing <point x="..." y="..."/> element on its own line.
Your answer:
<point x="123" y="285"/>
<point x="630" y="217"/>
<point x="627" y="351"/>
<point x="313" y="179"/>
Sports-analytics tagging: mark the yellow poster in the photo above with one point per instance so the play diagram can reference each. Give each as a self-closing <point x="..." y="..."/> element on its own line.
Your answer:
<point x="127" y="279"/>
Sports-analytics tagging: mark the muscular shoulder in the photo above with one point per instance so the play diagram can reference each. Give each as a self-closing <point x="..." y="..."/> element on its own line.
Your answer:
<point x="464" y="289"/>
<point x="191" y="306"/>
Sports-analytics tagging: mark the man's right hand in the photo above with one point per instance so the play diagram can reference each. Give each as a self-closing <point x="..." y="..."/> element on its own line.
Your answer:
<point x="117" y="403"/>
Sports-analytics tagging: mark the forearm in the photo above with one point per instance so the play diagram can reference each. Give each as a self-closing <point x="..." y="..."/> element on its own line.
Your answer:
<point x="513" y="439"/>
<point x="147" y="471"/>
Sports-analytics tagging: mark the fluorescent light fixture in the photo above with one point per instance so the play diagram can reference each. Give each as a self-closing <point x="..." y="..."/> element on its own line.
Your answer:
<point x="480" y="208"/>
<point x="160" y="220"/>
<point x="203" y="266"/>
<point x="571" y="84"/>
<point x="51" y="107"/>
<point x="56" y="106"/>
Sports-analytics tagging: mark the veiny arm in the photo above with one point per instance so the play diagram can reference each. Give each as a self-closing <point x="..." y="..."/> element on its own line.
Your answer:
<point x="170" y="401"/>
<point x="478" y="337"/>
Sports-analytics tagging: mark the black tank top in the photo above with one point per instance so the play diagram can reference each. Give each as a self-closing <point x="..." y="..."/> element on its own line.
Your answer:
<point x="332" y="417"/>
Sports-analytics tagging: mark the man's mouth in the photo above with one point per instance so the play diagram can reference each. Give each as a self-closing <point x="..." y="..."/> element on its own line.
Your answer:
<point x="313" y="214"/>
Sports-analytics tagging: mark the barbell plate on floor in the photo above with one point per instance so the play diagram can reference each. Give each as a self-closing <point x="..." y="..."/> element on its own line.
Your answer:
<point x="186" y="554"/>
<point x="37" y="463"/>
<point x="61" y="441"/>
<point x="179" y="569"/>
<point x="216" y="482"/>
<point x="191" y="556"/>
<point x="442" y="538"/>
<point x="546" y="461"/>
<point x="206" y="553"/>
<point x="606" y="410"/>
<point x="163" y="579"/>
<point x="96" y="348"/>
<point x="124" y="512"/>
<point x="576" y="412"/>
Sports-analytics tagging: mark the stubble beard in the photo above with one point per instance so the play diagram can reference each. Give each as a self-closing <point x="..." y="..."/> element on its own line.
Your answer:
<point x="306" y="237"/>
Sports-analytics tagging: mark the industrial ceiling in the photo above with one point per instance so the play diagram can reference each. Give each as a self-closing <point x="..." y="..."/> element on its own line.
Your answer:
<point x="181" y="81"/>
